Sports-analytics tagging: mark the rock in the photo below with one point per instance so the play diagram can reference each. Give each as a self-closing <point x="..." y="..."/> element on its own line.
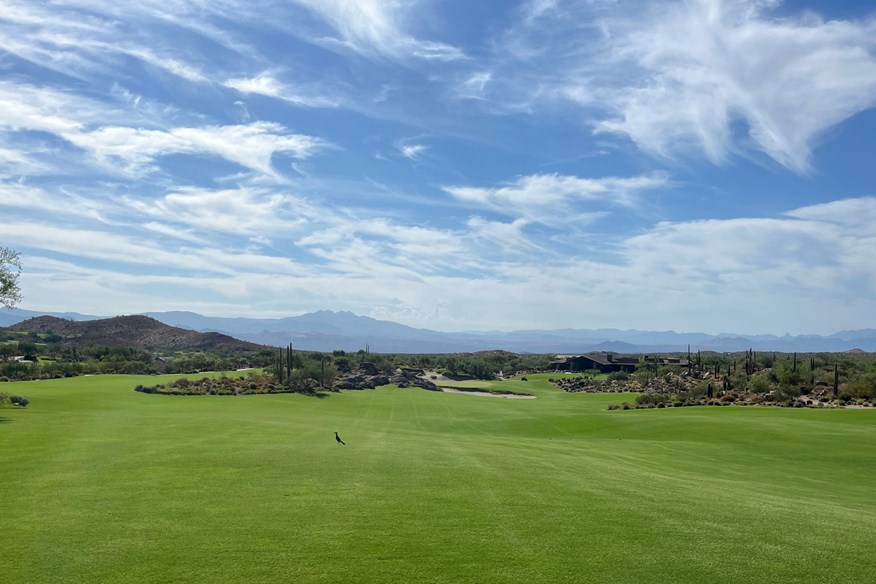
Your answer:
<point x="368" y="368"/>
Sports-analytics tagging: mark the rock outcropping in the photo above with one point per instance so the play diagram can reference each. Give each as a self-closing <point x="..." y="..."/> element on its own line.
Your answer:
<point x="368" y="377"/>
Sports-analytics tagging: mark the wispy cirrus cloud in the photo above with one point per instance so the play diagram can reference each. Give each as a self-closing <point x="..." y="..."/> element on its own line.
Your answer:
<point x="551" y="198"/>
<point x="744" y="79"/>
<point x="411" y="151"/>
<point x="377" y="27"/>
<point x="697" y="267"/>
<point x="95" y="127"/>
<point x="85" y="43"/>
<point x="787" y="79"/>
<point x="252" y="145"/>
<point x="64" y="203"/>
<point x="245" y="211"/>
<point x="267" y="83"/>
<point x="138" y="152"/>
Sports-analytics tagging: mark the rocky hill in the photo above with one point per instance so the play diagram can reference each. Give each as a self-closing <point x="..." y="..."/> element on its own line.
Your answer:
<point x="136" y="332"/>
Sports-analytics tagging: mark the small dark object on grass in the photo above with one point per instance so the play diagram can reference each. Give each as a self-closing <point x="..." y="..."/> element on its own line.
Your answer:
<point x="338" y="438"/>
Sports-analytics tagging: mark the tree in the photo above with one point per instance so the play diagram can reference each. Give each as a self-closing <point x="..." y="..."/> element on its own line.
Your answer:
<point x="10" y="269"/>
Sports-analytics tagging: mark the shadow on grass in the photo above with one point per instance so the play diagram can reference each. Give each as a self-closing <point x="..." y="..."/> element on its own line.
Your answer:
<point x="2" y="419"/>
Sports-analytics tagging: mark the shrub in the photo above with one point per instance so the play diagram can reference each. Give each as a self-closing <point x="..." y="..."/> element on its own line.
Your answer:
<point x="19" y="400"/>
<point x="652" y="399"/>
<point x="614" y="407"/>
<point x="619" y="376"/>
<point x="759" y="383"/>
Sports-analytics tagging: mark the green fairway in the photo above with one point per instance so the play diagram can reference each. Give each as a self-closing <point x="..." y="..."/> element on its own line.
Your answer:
<point x="102" y="484"/>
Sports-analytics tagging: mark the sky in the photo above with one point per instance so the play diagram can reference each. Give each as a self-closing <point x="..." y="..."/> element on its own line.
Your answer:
<point x="693" y="165"/>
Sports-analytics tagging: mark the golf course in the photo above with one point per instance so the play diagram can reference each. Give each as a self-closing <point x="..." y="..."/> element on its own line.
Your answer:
<point x="100" y="483"/>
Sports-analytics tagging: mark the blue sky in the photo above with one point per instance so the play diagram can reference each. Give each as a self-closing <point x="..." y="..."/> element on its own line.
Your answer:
<point x="698" y="165"/>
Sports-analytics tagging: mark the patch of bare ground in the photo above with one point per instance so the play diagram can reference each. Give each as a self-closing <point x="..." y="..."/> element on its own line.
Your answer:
<point x="487" y="393"/>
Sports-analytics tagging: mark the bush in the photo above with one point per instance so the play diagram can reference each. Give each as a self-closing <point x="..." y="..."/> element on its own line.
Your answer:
<point x="653" y="399"/>
<point x="19" y="400"/>
<point x="759" y="383"/>
<point x="619" y="376"/>
<point x="613" y="407"/>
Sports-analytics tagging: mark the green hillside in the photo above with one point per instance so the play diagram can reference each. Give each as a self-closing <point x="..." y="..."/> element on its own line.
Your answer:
<point x="103" y="484"/>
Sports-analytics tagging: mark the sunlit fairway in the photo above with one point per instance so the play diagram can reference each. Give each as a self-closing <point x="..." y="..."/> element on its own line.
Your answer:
<point x="102" y="484"/>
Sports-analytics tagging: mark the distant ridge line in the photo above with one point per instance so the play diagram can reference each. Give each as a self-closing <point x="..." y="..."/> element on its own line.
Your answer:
<point x="326" y="330"/>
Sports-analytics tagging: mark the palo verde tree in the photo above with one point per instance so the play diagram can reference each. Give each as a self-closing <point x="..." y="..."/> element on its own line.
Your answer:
<point x="10" y="269"/>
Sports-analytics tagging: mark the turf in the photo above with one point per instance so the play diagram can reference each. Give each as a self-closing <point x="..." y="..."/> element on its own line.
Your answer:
<point x="99" y="483"/>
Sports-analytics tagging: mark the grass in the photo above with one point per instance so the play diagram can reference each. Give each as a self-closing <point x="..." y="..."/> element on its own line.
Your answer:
<point x="103" y="484"/>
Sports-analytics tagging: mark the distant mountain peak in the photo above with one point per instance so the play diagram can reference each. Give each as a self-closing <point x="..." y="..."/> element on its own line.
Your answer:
<point x="132" y="331"/>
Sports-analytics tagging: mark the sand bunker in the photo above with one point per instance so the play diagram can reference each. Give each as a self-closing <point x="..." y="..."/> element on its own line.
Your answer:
<point x="487" y="393"/>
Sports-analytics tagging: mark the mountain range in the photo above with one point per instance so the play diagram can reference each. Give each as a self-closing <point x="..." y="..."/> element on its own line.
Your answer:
<point x="327" y="330"/>
<point x="135" y="332"/>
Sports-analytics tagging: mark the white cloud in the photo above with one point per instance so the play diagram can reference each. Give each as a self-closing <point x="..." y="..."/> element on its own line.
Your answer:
<point x="267" y="84"/>
<point x="857" y="216"/>
<point x="81" y="44"/>
<point x="173" y="65"/>
<point x="94" y="244"/>
<point x="26" y="107"/>
<point x="497" y="239"/>
<point x="21" y="163"/>
<point x="106" y="132"/>
<point x="250" y="145"/>
<point x="787" y="79"/>
<point x="754" y="274"/>
<point x="550" y="198"/>
<point x="412" y="151"/>
<point x="378" y="27"/>
<point x="242" y="211"/>
<point x="174" y="232"/>
<point x="474" y="86"/>
<point x="63" y="203"/>
<point x="691" y="78"/>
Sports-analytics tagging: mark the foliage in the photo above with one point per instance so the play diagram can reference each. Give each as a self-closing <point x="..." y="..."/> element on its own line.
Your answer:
<point x="10" y="270"/>
<point x="7" y="400"/>
<point x="236" y="385"/>
<point x="759" y="382"/>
